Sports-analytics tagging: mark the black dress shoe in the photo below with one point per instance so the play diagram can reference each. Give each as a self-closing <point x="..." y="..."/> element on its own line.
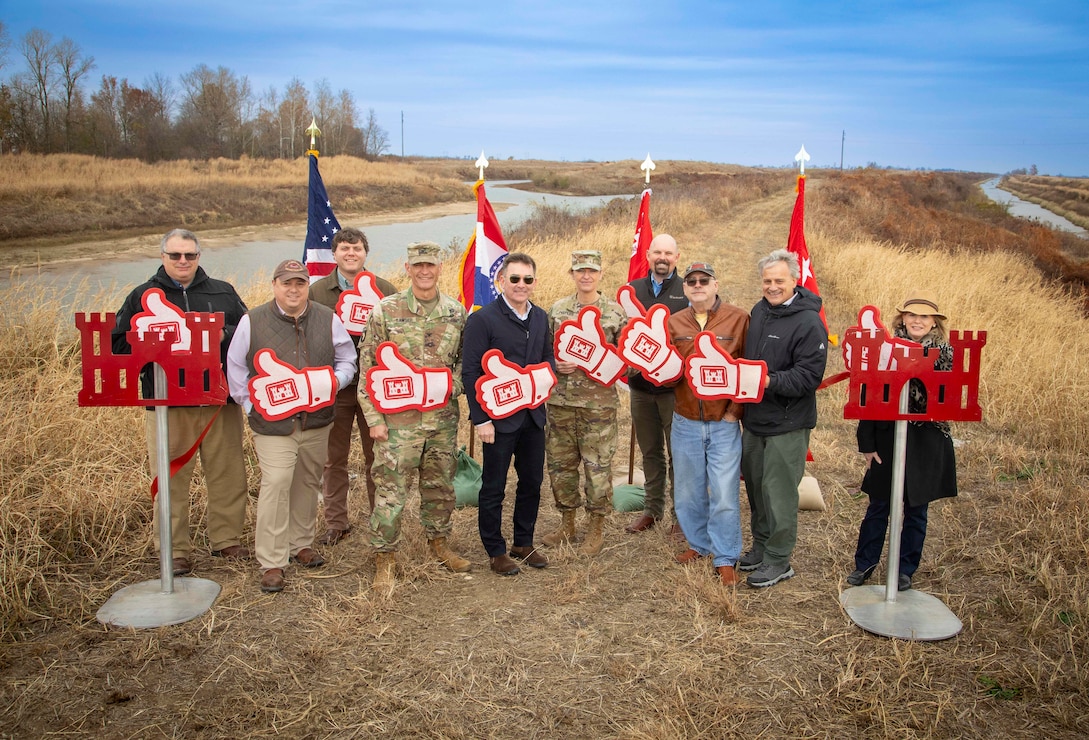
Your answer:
<point x="858" y="577"/>
<point x="904" y="583"/>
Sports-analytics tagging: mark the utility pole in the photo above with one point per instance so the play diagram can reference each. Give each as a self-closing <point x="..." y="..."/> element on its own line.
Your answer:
<point x="403" y="135"/>
<point x="842" y="141"/>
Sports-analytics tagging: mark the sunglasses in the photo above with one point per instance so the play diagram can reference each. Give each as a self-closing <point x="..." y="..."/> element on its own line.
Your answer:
<point x="515" y="279"/>
<point x="693" y="282"/>
<point x="176" y="256"/>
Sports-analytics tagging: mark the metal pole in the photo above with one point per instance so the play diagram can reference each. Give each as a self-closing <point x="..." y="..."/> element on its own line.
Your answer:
<point x="896" y="511"/>
<point x="842" y="142"/>
<point x="162" y="453"/>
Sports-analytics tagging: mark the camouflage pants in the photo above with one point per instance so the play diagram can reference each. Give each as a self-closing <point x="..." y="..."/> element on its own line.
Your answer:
<point x="396" y="460"/>
<point x="586" y="439"/>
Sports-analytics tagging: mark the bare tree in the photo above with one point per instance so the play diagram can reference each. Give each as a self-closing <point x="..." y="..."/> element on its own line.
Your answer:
<point x="5" y="44"/>
<point x="208" y="121"/>
<point x="324" y="105"/>
<point x="375" y="138"/>
<point x="73" y="66"/>
<point x="40" y="81"/>
<point x="293" y="116"/>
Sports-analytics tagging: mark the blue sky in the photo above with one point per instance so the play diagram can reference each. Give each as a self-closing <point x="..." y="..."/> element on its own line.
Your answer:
<point x="985" y="86"/>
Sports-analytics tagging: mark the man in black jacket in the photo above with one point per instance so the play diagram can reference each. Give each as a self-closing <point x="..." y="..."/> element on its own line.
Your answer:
<point x="519" y="330"/>
<point x="787" y="333"/>
<point x="652" y="405"/>
<point x="185" y="285"/>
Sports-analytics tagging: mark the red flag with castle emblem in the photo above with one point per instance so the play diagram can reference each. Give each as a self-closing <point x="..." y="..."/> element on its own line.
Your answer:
<point x="638" y="267"/>
<point x="796" y="244"/>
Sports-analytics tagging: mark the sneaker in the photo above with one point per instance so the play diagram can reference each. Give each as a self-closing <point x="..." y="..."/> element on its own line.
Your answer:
<point x="769" y="574"/>
<point x="904" y="583"/>
<point x="751" y="560"/>
<point x="858" y="577"/>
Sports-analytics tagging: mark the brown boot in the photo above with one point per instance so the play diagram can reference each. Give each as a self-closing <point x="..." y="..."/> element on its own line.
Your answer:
<point x="384" y="577"/>
<point x="566" y="532"/>
<point x="448" y="557"/>
<point x="595" y="538"/>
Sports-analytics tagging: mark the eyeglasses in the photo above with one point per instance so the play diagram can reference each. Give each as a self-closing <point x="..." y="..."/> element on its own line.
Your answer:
<point x="693" y="282"/>
<point x="177" y="256"/>
<point x="515" y="279"/>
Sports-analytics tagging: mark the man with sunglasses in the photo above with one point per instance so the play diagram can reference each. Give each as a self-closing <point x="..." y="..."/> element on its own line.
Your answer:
<point x="652" y="405"/>
<point x="187" y="286"/>
<point x="519" y="330"/>
<point x="706" y="435"/>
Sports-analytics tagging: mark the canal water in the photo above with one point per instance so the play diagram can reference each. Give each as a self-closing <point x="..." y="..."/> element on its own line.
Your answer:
<point x="1024" y="209"/>
<point x="239" y="262"/>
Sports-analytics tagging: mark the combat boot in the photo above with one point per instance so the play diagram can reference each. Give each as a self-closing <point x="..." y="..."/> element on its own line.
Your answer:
<point x="448" y="557"/>
<point x="566" y="532"/>
<point x="384" y="577"/>
<point x="595" y="538"/>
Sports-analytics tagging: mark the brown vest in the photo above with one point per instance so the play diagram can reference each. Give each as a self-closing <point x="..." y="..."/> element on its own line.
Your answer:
<point x="306" y="341"/>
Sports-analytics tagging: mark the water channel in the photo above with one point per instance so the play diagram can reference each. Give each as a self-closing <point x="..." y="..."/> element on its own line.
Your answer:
<point x="1024" y="209"/>
<point x="240" y="261"/>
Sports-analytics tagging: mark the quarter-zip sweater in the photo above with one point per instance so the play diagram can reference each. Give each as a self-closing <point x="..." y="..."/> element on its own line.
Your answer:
<point x="730" y="325"/>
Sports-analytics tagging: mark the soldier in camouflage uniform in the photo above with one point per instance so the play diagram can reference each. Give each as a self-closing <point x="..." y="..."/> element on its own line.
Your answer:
<point x="426" y="326"/>
<point x="582" y="414"/>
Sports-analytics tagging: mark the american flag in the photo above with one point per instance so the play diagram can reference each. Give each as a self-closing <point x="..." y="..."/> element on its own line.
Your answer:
<point x="321" y="225"/>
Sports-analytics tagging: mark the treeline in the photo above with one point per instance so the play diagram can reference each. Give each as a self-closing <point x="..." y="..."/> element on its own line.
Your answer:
<point x="49" y="102"/>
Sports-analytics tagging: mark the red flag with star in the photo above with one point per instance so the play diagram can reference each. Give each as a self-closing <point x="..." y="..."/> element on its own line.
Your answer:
<point x="796" y="244"/>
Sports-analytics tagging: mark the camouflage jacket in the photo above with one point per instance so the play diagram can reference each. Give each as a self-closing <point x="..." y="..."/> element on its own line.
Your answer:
<point x="577" y="389"/>
<point x="432" y="341"/>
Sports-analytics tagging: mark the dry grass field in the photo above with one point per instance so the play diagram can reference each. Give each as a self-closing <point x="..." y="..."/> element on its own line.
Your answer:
<point x="1066" y="196"/>
<point x="627" y="644"/>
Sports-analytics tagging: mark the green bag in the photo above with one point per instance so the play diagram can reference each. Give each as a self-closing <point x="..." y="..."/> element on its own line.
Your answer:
<point x="467" y="480"/>
<point x="628" y="498"/>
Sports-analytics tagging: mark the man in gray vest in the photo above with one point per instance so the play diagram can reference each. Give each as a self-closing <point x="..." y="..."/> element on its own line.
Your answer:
<point x="287" y="360"/>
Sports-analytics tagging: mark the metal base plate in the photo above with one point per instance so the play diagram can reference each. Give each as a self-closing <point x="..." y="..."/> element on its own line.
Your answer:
<point x="145" y="605"/>
<point x="913" y="616"/>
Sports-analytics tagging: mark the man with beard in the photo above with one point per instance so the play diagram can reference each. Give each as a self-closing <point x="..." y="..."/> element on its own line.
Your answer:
<point x="652" y="405"/>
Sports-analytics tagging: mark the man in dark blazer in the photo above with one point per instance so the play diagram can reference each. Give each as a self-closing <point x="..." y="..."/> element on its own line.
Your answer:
<point x="519" y="330"/>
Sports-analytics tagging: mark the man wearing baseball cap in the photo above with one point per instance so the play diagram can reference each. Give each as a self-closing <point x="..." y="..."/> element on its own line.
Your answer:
<point x="307" y="341"/>
<point x="706" y="434"/>
<point x="426" y="327"/>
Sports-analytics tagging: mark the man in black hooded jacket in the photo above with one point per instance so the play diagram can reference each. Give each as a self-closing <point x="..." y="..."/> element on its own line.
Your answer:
<point x="787" y="333"/>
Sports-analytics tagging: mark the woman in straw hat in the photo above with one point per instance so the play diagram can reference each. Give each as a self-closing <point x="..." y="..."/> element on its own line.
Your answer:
<point x="930" y="472"/>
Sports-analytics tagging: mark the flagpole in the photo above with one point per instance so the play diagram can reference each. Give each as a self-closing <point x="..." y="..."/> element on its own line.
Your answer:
<point x="481" y="165"/>
<point x="647" y="166"/>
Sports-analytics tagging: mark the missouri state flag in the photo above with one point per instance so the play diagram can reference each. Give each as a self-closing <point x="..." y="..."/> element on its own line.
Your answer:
<point x="483" y="256"/>
<point x="796" y="244"/>
<point x="321" y="225"/>
<point x="640" y="243"/>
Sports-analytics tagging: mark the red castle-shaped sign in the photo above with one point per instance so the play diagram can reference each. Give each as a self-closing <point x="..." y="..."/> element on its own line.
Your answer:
<point x="193" y="378"/>
<point x="880" y="364"/>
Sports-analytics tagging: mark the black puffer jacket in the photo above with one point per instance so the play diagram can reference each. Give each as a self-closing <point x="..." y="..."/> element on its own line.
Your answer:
<point x="793" y="342"/>
<point x="204" y="294"/>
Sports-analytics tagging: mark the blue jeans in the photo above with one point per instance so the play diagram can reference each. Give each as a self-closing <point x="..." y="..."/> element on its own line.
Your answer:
<point x="707" y="490"/>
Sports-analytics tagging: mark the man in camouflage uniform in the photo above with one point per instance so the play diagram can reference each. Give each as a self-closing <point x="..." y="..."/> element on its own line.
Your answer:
<point x="426" y="326"/>
<point x="350" y="250"/>
<point x="582" y="413"/>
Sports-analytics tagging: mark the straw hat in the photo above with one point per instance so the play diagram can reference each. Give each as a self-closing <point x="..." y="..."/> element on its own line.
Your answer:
<point x="921" y="303"/>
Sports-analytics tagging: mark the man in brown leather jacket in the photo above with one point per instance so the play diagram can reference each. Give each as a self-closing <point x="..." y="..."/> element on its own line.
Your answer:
<point x="706" y="435"/>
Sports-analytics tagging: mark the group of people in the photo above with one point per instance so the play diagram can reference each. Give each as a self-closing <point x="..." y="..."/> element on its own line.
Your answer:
<point x="350" y="351"/>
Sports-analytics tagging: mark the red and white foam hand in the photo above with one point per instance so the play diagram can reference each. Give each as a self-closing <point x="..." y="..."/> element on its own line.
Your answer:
<point x="162" y="318"/>
<point x="506" y="388"/>
<point x="354" y="306"/>
<point x="714" y="375"/>
<point x="645" y="345"/>
<point x="582" y="342"/>
<point x="395" y="384"/>
<point x="893" y="348"/>
<point x="279" y="390"/>
<point x="632" y="306"/>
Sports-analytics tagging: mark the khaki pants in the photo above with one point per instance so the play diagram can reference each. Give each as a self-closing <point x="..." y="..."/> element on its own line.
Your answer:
<point x="287" y="507"/>
<point x="224" y="473"/>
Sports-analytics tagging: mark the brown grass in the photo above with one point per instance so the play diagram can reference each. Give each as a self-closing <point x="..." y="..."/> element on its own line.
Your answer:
<point x="624" y="645"/>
